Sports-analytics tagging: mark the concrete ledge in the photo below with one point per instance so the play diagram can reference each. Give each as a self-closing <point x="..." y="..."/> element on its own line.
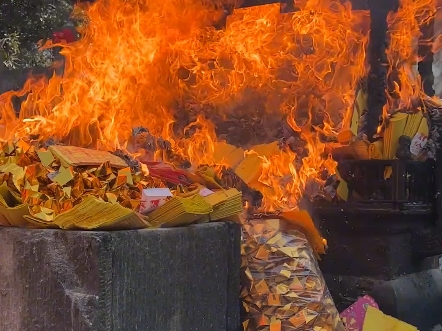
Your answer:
<point x="181" y="279"/>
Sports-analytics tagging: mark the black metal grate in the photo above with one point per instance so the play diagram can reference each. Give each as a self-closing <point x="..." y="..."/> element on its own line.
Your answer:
<point x="393" y="184"/>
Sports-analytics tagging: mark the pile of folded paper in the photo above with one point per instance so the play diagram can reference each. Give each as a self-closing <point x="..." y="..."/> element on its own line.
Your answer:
<point x="201" y="206"/>
<point x="283" y="288"/>
<point x="76" y="188"/>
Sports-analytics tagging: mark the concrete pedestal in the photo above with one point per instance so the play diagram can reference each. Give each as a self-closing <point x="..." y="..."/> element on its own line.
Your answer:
<point x="181" y="279"/>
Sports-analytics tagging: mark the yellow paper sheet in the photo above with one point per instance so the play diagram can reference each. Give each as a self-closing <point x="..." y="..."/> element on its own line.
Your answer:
<point x="375" y="150"/>
<point x="394" y="130"/>
<point x="76" y="156"/>
<point x="266" y="150"/>
<point x="229" y="154"/>
<point x="180" y="211"/>
<point x="46" y="157"/>
<point x="413" y="123"/>
<point x="64" y="176"/>
<point x="375" y="320"/>
<point x="342" y="190"/>
<point x="209" y="176"/>
<point x="361" y="149"/>
<point x="250" y="168"/>
<point x="225" y="203"/>
<point x="93" y="213"/>
<point x="12" y="210"/>
<point x="358" y="109"/>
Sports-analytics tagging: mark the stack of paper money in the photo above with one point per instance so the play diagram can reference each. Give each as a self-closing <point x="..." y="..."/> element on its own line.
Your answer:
<point x="93" y="213"/>
<point x="180" y="211"/>
<point x="225" y="203"/>
<point x="76" y="188"/>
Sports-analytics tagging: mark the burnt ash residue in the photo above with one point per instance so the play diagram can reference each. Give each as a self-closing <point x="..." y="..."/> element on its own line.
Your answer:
<point x="249" y="122"/>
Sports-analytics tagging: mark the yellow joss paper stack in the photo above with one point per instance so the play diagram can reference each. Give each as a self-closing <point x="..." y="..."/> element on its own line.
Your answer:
<point x="225" y="203"/>
<point x="393" y="131"/>
<point x="414" y="125"/>
<point x="77" y="156"/>
<point x="180" y="211"/>
<point x="93" y="213"/>
<point x="401" y="124"/>
<point x="283" y="289"/>
<point x="76" y="188"/>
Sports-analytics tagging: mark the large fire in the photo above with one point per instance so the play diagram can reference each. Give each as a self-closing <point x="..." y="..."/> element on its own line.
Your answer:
<point x="147" y="63"/>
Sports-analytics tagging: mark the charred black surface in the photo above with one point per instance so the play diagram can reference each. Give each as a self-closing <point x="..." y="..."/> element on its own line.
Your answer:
<point x="377" y="57"/>
<point x="411" y="187"/>
<point x="375" y="252"/>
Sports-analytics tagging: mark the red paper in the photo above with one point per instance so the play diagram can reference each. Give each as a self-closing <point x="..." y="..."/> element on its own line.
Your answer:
<point x="167" y="173"/>
<point x="353" y="317"/>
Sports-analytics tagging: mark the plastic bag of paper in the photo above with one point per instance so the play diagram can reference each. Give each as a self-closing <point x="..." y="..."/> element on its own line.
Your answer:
<point x="282" y="288"/>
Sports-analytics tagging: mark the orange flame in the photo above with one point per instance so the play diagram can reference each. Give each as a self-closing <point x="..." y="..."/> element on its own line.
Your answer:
<point x="137" y="59"/>
<point x="404" y="30"/>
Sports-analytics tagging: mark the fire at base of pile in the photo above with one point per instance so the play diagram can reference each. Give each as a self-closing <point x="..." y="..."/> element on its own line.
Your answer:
<point x="282" y="286"/>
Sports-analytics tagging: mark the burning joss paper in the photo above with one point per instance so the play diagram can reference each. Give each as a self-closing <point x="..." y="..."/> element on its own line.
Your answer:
<point x="49" y="185"/>
<point x="56" y="187"/>
<point x="282" y="287"/>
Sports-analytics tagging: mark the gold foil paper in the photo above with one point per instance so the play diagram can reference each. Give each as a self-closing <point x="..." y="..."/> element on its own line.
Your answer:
<point x="76" y="156"/>
<point x="45" y="187"/>
<point x="76" y="188"/>
<point x="282" y="287"/>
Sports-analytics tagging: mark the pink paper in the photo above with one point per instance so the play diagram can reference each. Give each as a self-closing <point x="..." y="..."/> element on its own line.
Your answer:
<point x="353" y="317"/>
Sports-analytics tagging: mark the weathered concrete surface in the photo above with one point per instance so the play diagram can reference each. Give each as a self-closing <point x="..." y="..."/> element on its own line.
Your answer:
<point x="183" y="279"/>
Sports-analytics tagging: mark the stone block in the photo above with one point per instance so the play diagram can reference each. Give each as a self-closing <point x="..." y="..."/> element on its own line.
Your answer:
<point x="179" y="279"/>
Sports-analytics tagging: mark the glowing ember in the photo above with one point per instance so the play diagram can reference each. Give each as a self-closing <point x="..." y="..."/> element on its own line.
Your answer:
<point x="137" y="60"/>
